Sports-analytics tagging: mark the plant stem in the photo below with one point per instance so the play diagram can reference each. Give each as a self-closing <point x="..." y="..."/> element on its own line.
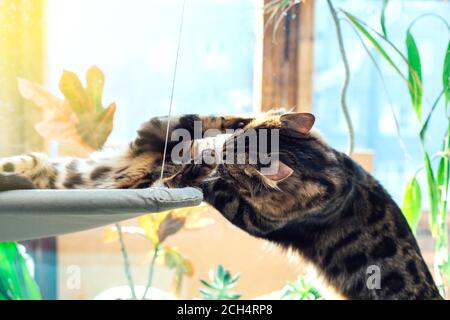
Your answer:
<point x="344" y="107"/>
<point x="442" y="245"/>
<point x="151" y="269"/>
<point x="126" y="262"/>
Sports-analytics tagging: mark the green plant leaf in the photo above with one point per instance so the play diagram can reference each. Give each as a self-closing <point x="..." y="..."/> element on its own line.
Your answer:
<point x="207" y="295"/>
<point x="300" y="289"/>
<point x="221" y="272"/>
<point x="356" y="22"/>
<point x="446" y="75"/>
<point x="231" y="296"/>
<point x="412" y="203"/>
<point x="432" y="195"/>
<point x="440" y="172"/>
<point x="442" y="180"/>
<point x="446" y="267"/>
<point x="207" y="284"/>
<point x="235" y="278"/>
<point x="220" y="284"/>
<point x="414" y="74"/>
<point x="424" y="128"/>
<point x="383" y="18"/>
<point x="226" y="277"/>
<point x="16" y="282"/>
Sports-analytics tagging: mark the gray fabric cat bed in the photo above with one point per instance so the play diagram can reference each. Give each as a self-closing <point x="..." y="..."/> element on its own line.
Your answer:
<point x="31" y="214"/>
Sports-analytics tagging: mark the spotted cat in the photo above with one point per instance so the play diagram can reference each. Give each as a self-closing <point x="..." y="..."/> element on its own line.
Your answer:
<point x="137" y="166"/>
<point x="321" y="205"/>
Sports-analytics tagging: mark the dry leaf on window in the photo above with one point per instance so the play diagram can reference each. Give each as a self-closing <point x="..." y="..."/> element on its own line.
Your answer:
<point x="79" y="118"/>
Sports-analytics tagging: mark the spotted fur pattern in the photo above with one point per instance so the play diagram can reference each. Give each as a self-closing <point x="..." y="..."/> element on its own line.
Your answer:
<point x="329" y="210"/>
<point x="138" y="166"/>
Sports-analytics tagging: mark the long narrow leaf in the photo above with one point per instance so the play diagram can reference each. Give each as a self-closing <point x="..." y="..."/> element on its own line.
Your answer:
<point x="424" y="128"/>
<point x="440" y="176"/>
<point x="432" y="194"/>
<point x="207" y="295"/>
<point x="443" y="182"/>
<point x="383" y="18"/>
<point x="8" y="274"/>
<point x="207" y="284"/>
<point x="414" y="74"/>
<point x="15" y="280"/>
<point x="220" y="272"/>
<point x="412" y="203"/>
<point x="446" y="75"/>
<point x="443" y="176"/>
<point x="375" y="43"/>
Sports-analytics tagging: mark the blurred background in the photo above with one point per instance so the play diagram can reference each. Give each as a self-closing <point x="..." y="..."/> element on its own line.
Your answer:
<point x="236" y="56"/>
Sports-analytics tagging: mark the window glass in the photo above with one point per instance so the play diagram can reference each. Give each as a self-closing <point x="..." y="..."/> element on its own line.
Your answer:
<point x="370" y="106"/>
<point x="137" y="52"/>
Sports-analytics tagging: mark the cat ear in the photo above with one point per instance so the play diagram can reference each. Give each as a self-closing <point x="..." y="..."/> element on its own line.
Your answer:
<point x="299" y="121"/>
<point x="282" y="171"/>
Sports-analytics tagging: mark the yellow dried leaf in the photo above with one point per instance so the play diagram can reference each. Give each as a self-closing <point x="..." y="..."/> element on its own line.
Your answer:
<point x="95" y="131"/>
<point x="95" y="80"/>
<point x="80" y="118"/>
<point x="74" y="92"/>
<point x="188" y="267"/>
<point x="150" y="224"/>
<point x="38" y="95"/>
<point x="169" y="226"/>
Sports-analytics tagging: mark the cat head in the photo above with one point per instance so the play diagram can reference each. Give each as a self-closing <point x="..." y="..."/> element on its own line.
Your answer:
<point x="286" y="172"/>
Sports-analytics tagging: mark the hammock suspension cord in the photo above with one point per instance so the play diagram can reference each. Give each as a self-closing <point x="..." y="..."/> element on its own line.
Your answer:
<point x="180" y="30"/>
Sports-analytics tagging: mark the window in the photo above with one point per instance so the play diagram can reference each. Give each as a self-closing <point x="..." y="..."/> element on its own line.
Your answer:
<point x="370" y="106"/>
<point x="229" y="62"/>
<point x="137" y="51"/>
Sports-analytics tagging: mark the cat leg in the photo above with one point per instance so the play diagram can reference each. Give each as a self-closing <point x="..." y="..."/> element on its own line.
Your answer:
<point x="14" y="181"/>
<point x="152" y="134"/>
<point x="138" y="166"/>
<point x="150" y="143"/>
<point x="223" y="196"/>
<point x="195" y="173"/>
<point x="29" y="171"/>
<point x="27" y="165"/>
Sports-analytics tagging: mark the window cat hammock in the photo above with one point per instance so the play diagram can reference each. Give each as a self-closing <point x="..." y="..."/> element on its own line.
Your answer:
<point x="30" y="214"/>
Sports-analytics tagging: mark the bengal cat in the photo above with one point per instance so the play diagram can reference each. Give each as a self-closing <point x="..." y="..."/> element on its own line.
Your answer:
<point x="322" y="205"/>
<point x="138" y="166"/>
<point x="318" y="203"/>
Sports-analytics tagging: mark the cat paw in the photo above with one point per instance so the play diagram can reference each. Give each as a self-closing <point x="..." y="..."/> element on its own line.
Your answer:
<point x="13" y="181"/>
<point x="194" y="173"/>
